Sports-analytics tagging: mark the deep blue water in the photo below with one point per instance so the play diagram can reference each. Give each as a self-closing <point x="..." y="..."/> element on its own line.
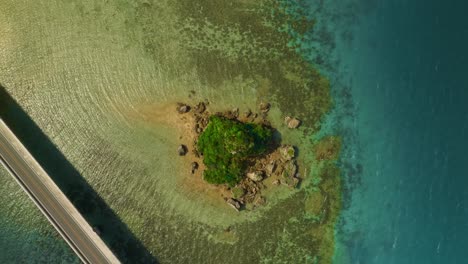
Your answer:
<point x="407" y="73"/>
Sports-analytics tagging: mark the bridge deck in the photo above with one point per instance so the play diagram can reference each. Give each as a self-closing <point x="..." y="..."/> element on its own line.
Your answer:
<point x="51" y="201"/>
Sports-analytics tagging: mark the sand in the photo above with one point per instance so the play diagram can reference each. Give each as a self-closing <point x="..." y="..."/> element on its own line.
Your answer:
<point x="192" y="185"/>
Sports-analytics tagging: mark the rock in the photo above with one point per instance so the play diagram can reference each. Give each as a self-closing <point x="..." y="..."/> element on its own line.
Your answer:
<point x="255" y="176"/>
<point x="235" y="112"/>
<point x="254" y="190"/>
<point x="265" y="107"/>
<point x="197" y="126"/>
<point x="204" y="122"/>
<point x="292" y="122"/>
<point x="200" y="108"/>
<point x="194" y="166"/>
<point x="270" y="168"/>
<point x="287" y="152"/>
<point x="276" y="182"/>
<point x="234" y="204"/>
<point x="290" y="169"/>
<point x="248" y="113"/>
<point x="198" y="129"/>
<point x="249" y="197"/>
<point x="260" y="200"/>
<point x="290" y="182"/>
<point x="182" y="108"/>
<point x="182" y="150"/>
<point x="230" y="114"/>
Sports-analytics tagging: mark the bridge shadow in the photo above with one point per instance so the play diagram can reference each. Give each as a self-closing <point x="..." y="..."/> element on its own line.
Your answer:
<point x="113" y="231"/>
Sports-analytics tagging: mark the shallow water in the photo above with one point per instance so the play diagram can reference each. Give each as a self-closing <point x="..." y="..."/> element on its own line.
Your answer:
<point x="83" y="72"/>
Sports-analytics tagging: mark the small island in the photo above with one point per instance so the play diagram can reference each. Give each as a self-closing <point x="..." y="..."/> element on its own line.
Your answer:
<point x="239" y="152"/>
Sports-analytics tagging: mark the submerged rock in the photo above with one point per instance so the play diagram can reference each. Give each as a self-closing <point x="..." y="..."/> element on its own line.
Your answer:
<point x="290" y="182"/>
<point x="265" y="107"/>
<point x="182" y="150"/>
<point x="292" y="122"/>
<point x="260" y="200"/>
<point x="247" y="113"/>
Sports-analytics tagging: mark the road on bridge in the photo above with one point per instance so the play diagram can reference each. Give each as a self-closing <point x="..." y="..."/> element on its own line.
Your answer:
<point x="52" y="202"/>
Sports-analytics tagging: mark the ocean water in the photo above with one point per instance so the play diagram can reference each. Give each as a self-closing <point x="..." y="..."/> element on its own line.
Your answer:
<point x="397" y="74"/>
<point x="406" y="163"/>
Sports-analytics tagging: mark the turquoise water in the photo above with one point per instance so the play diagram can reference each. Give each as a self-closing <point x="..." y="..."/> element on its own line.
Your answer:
<point x="406" y="161"/>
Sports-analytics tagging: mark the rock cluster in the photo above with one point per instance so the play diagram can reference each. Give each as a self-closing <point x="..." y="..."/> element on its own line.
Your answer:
<point x="279" y="165"/>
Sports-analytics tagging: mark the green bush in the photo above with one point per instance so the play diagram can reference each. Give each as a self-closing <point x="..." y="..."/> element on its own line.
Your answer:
<point x="227" y="144"/>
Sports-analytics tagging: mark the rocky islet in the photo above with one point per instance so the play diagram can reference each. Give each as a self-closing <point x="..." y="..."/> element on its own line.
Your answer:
<point x="278" y="164"/>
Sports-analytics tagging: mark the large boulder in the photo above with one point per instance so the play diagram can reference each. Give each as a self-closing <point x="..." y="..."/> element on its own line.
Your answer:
<point x="270" y="168"/>
<point x="255" y="176"/>
<point x="292" y="122"/>
<point x="290" y="169"/>
<point x="287" y="152"/>
<point x="182" y="108"/>
<point x="182" y="150"/>
<point x="234" y="204"/>
<point x="194" y="166"/>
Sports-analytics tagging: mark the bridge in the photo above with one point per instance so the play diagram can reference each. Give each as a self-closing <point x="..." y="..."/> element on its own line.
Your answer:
<point x="52" y="202"/>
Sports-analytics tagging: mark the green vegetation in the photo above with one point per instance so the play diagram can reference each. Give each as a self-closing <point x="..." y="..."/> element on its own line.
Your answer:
<point x="237" y="192"/>
<point x="226" y="146"/>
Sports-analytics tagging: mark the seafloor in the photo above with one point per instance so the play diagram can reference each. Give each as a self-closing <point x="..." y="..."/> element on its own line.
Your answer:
<point x="86" y="73"/>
